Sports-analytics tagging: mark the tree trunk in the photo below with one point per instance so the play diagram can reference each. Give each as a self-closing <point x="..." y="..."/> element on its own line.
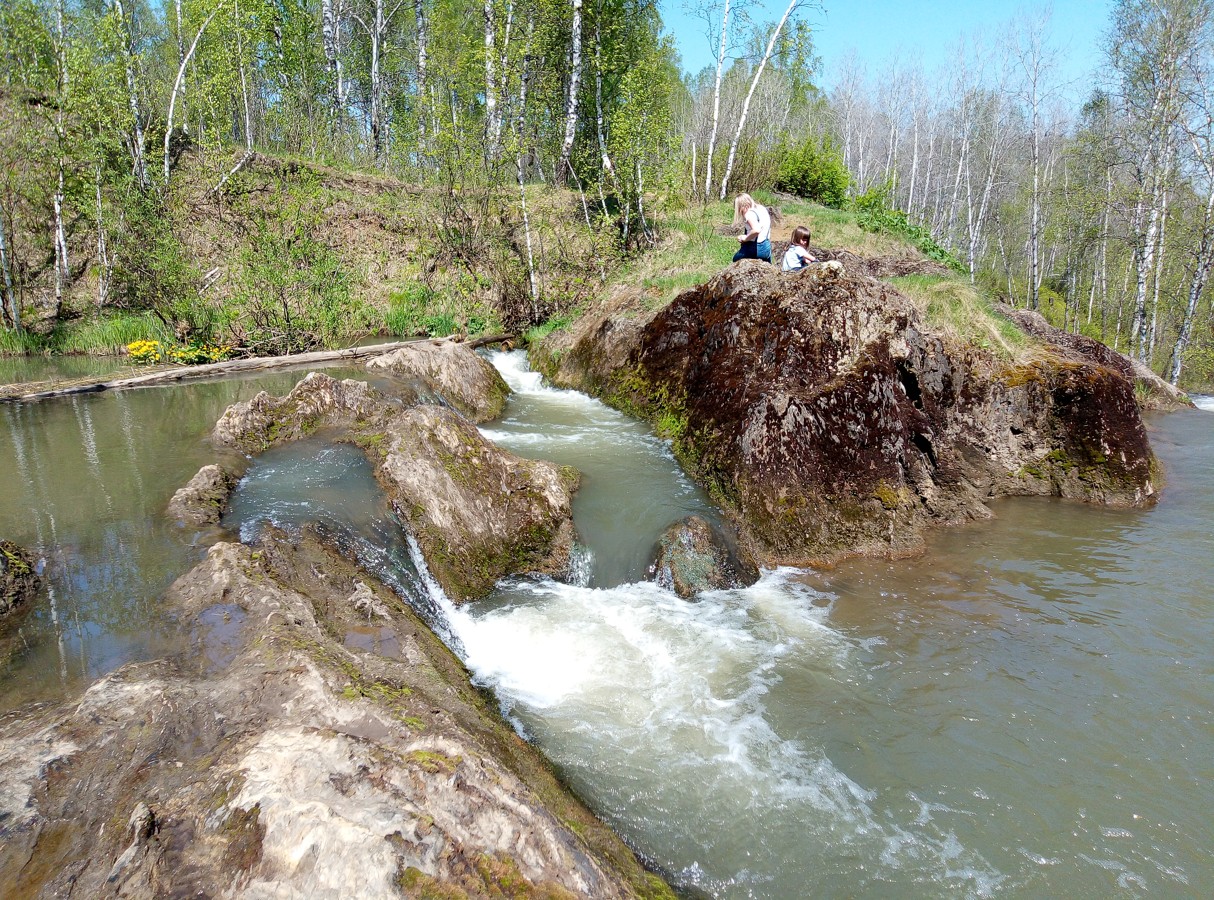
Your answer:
<point x="329" y="27"/>
<point x="132" y="89"/>
<point x="1201" y="274"/>
<point x="754" y="83"/>
<point x="491" y="113"/>
<point x="716" y="105"/>
<point x="608" y="168"/>
<point x="575" y="74"/>
<point x="12" y="312"/>
<point x="177" y="88"/>
<point x="423" y="48"/>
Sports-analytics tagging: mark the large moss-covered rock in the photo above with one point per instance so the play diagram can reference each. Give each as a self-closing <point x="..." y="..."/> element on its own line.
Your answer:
<point x="828" y="418"/>
<point x="479" y="512"/>
<point x="286" y="760"/>
<point x="318" y="401"/>
<point x="453" y="372"/>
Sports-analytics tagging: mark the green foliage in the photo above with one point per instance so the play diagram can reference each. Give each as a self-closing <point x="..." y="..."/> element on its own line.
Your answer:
<point x="876" y="215"/>
<point x="293" y="293"/>
<point x="537" y="333"/>
<point x="814" y="169"/>
<point x="109" y="333"/>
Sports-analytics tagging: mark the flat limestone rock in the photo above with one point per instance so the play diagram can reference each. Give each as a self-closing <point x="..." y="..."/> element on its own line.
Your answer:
<point x="293" y="764"/>
<point x="457" y="374"/>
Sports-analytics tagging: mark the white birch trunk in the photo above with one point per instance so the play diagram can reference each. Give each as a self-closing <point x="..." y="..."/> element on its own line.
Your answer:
<point x="754" y="83"/>
<point x="178" y="85"/>
<point x="575" y="74"/>
<point x="716" y="105"/>
<point x="491" y="113"/>
<point x="608" y="168"/>
<point x="423" y="93"/>
<point x="132" y="88"/>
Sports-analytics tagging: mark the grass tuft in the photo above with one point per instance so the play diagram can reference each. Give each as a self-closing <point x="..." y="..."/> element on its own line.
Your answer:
<point x="954" y="306"/>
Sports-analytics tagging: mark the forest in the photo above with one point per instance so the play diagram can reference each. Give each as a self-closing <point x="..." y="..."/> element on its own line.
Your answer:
<point x="496" y="161"/>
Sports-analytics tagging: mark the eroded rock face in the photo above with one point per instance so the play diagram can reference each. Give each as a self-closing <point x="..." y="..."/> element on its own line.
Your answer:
<point x="478" y="512"/>
<point x="457" y="374"/>
<point x="295" y="764"/>
<point x="828" y="419"/>
<point x="18" y="578"/>
<point x="202" y="500"/>
<point x="319" y="400"/>
<point x="692" y="558"/>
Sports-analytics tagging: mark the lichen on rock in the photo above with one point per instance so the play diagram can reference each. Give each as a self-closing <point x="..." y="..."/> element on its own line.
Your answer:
<point x="18" y="578"/>
<point x="202" y="500"/>
<point x="479" y="513"/>
<point x="692" y="558"/>
<point x="463" y="379"/>
<point x="304" y="767"/>
<point x="828" y="418"/>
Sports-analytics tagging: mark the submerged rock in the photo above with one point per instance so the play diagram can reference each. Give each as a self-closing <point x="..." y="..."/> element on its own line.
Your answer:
<point x="202" y="500"/>
<point x="692" y="558"/>
<point x="18" y="578"/>
<point x="454" y="372"/>
<point x="296" y="766"/>
<point x="827" y="417"/>
<point x="479" y="513"/>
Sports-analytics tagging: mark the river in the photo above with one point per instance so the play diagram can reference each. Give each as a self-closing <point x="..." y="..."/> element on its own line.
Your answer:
<point x="1023" y="711"/>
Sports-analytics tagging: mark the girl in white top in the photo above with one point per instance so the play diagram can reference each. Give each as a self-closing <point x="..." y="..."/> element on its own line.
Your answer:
<point x="798" y="255"/>
<point x="756" y="242"/>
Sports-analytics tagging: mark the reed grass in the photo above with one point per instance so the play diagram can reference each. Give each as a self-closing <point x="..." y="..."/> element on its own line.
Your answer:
<point x="954" y="306"/>
<point x="109" y="334"/>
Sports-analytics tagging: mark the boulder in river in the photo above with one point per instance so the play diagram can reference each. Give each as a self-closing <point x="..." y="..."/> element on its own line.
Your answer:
<point x="828" y="417"/>
<point x="692" y="558"/>
<point x="202" y="500"/>
<point x="479" y="512"/>
<point x="286" y="760"/>
<point x="317" y="401"/>
<point x="18" y="578"/>
<point x="453" y="371"/>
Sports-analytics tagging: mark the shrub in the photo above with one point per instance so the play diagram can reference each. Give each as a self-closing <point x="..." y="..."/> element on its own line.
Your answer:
<point x="814" y="170"/>
<point x="876" y="215"/>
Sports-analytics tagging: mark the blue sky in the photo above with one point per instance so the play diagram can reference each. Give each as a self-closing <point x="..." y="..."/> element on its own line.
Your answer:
<point x="880" y="29"/>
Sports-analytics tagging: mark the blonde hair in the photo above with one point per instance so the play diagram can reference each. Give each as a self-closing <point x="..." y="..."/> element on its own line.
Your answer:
<point x="741" y="203"/>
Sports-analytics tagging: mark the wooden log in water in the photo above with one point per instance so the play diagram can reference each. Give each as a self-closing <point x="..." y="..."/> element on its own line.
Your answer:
<point x="228" y="367"/>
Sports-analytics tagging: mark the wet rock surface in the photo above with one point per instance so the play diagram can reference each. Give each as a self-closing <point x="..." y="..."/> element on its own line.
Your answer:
<point x="827" y="418"/>
<point x="202" y="500"/>
<point x="298" y="767"/>
<point x="18" y="578"/>
<point x="451" y="370"/>
<point x="693" y="558"/>
<point x="478" y="512"/>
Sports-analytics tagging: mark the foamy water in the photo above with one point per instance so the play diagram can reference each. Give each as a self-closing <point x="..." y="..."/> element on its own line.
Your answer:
<point x="1203" y="401"/>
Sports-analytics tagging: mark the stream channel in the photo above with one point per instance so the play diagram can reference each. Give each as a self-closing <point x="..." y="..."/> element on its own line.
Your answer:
<point x="1025" y="710"/>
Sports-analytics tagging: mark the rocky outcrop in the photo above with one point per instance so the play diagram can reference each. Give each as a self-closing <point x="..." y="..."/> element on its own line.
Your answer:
<point x="18" y="578"/>
<point x="1152" y="391"/>
<point x="204" y="497"/>
<point x="318" y="401"/>
<point x="692" y="558"/>
<point x="479" y="513"/>
<point x="828" y="418"/>
<point x="286" y="762"/>
<point x="453" y="372"/>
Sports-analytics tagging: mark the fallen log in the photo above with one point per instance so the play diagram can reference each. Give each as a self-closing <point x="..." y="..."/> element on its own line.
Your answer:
<point x="207" y="370"/>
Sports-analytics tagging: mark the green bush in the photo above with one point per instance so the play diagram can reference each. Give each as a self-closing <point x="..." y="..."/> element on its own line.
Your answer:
<point x="814" y="170"/>
<point x="407" y="310"/>
<point x="876" y="215"/>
